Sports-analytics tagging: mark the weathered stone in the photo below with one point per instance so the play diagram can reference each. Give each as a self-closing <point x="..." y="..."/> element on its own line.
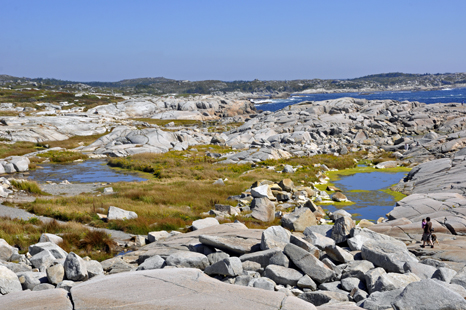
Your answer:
<point x="155" y="236"/>
<point x="348" y="284"/>
<point x="338" y="254"/>
<point x="444" y="274"/>
<point x="342" y="229"/>
<point x="305" y="245"/>
<point x="423" y="271"/>
<point x="94" y="268"/>
<point x="386" y="255"/>
<point x="372" y="276"/>
<point x="262" y="191"/>
<point x="115" y="265"/>
<point x="263" y="209"/>
<point x="187" y="260"/>
<point x="356" y="269"/>
<point x="154" y="262"/>
<point x="30" y="279"/>
<point x="230" y="244"/>
<point x="262" y="283"/>
<point x="283" y="275"/>
<point x="75" y="268"/>
<point x="115" y="213"/>
<point x="307" y="282"/>
<point x="45" y="237"/>
<point x="275" y="237"/>
<point x="339" y="197"/>
<point x="380" y="300"/>
<point x="323" y="297"/>
<point x="230" y="266"/>
<point x="308" y="264"/>
<point x="261" y="257"/>
<point x="6" y="250"/>
<point x="54" y="249"/>
<point x="393" y="281"/>
<point x="280" y="259"/>
<point x="43" y="287"/>
<point x="431" y="295"/>
<point x="215" y="257"/>
<point x="55" y="273"/>
<point x="318" y="240"/>
<point x="203" y="223"/>
<point x="286" y="184"/>
<point x="48" y="299"/>
<point x="9" y="282"/>
<point x="42" y="259"/>
<point x="299" y="219"/>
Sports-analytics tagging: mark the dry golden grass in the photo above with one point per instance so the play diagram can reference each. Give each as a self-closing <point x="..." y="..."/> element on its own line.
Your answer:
<point x="76" y="238"/>
<point x="181" y="190"/>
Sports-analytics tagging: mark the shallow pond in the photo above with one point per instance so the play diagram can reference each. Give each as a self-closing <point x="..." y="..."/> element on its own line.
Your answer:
<point x="89" y="171"/>
<point x="365" y="190"/>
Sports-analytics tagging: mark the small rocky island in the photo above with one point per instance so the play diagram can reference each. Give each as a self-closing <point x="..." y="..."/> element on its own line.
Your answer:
<point x="303" y="257"/>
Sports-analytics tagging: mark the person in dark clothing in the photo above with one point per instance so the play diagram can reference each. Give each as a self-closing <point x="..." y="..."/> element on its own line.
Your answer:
<point x="427" y="235"/>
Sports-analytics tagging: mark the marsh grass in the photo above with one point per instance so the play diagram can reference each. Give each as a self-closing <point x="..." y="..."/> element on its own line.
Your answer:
<point x="63" y="156"/>
<point x="181" y="190"/>
<point x="28" y="186"/>
<point x="23" y="233"/>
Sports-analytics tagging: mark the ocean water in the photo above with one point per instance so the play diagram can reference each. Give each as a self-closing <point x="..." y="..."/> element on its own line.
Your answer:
<point x="434" y="96"/>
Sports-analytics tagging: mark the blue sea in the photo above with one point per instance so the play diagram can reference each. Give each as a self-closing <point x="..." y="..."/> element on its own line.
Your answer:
<point x="434" y="96"/>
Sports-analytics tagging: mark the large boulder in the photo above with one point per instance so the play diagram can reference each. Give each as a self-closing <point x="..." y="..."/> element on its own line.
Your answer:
<point x="299" y="219"/>
<point x="55" y="273"/>
<point x="6" y="250"/>
<point x="283" y="275"/>
<point x="8" y="282"/>
<point x="360" y="236"/>
<point x="261" y="257"/>
<point x="54" y="249"/>
<point x="49" y="299"/>
<point x="342" y="229"/>
<point x="387" y="255"/>
<point x="115" y="213"/>
<point x="429" y="294"/>
<point x="187" y="259"/>
<point x="230" y="244"/>
<point x="230" y="266"/>
<point x="263" y="209"/>
<point x="154" y="262"/>
<point x="176" y="289"/>
<point x="203" y="223"/>
<point x="75" y="268"/>
<point x="309" y="264"/>
<point x="275" y="237"/>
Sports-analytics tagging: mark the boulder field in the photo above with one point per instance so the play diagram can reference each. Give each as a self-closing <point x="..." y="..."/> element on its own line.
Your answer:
<point x="307" y="262"/>
<point x="233" y="267"/>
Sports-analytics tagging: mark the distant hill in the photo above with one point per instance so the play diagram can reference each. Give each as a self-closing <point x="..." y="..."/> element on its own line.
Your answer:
<point x="161" y="85"/>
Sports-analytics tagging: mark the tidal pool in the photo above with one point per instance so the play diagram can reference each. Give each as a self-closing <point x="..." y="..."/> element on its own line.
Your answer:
<point x="364" y="189"/>
<point x="89" y="171"/>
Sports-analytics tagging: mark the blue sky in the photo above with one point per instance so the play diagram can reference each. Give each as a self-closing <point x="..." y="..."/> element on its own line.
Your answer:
<point x="230" y="40"/>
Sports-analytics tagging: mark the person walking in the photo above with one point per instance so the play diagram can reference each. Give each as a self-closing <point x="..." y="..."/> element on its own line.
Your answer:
<point x="427" y="235"/>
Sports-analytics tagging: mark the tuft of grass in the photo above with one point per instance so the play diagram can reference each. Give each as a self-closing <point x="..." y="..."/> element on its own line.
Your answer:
<point x="28" y="186"/>
<point x="63" y="156"/>
<point x="396" y="195"/>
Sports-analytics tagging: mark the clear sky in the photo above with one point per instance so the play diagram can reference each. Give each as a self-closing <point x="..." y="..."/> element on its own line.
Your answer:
<point x="111" y="40"/>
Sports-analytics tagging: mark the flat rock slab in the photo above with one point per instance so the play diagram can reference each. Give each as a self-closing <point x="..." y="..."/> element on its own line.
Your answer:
<point x="176" y="289"/>
<point x="56" y="299"/>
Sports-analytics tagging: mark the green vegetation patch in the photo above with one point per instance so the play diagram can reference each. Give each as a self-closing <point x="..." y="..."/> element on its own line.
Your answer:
<point x="396" y="195"/>
<point x="63" y="156"/>
<point x="28" y="186"/>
